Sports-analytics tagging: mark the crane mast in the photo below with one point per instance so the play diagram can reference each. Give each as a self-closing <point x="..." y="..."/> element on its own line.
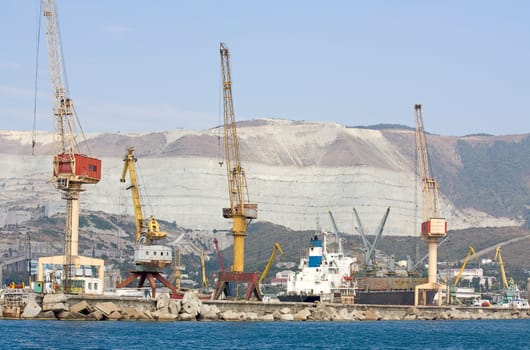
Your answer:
<point x="433" y="227"/>
<point x="146" y="232"/>
<point x="71" y="169"/>
<point x="240" y="210"/>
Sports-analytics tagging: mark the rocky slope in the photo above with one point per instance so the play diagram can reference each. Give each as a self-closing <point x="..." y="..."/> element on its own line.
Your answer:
<point x="296" y="172"/>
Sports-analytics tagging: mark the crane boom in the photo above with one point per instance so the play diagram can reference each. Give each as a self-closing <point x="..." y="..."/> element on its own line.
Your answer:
<point x="277" y="247"/>
<point x="433" y="225"/>
<point x="498" y="257"/>
<point x="461" y="271"/>
<point x="149" y="230"/>
<point x="240" y="210"/>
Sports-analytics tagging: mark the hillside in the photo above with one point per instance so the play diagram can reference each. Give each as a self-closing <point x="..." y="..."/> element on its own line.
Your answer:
<point x="296" y="171"/>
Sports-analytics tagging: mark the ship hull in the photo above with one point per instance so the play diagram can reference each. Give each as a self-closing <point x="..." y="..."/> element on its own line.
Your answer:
<point x="382" y="297"/>
<point x="299" y="298"/>
<point x="391" y="297"/>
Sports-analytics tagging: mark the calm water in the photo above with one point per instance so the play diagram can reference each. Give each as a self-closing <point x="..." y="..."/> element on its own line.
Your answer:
<point x="486" y="334"/>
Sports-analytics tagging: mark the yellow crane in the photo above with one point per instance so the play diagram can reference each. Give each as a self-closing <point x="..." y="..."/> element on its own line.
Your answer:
<point x="241" y="211"/>
<point x="461" y="271"/>
<point x="148" y="230"/>
<point x="205" y="283"/>
<point x="276" y="248"/>
<point x="498" y="257"/>
<point x="150" y="259"/>
<point x="433" y="226"/>
<point x="71" y="168"/>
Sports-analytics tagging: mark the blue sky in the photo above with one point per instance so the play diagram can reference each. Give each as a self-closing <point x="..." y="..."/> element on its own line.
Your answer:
<point x="154" y="65"/>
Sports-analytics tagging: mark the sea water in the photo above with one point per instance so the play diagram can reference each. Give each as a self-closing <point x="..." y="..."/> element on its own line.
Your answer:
<point x="480" y="334"/>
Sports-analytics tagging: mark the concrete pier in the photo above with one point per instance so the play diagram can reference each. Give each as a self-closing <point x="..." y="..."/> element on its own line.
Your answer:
<point x="191" y="308"/>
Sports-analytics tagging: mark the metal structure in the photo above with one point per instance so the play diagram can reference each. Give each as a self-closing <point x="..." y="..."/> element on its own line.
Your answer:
<point x="150" y="260"/>
<point x="337" y="234"/>
<point x="205" y="283"/>
<point x="148" y="230"/>
<point x="241" y="211"/>
<point x="219" y="257"/>
<point x="370" y="247"/>
<point x="498" y="257"/>
<point x="71" y="168"/>
<point x="470" y="252"/>
<point x="276" y="248"/>
<point x="433" y="226"/>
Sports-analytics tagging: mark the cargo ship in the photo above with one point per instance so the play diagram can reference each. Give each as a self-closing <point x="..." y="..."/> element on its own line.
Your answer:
<point x="334" y="277"/>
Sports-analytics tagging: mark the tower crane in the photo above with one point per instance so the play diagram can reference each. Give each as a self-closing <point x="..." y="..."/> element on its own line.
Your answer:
<point x="147" y="231"/>
<point x="276" y="248"/>
<point x="150" y="259"/>
<point x="241" y="211"/>
<point x="71" y="168"/>
<point x="433" y="226"/>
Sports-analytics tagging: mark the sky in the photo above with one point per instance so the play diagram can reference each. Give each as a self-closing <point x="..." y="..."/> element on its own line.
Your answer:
<point x="147" y="66"/>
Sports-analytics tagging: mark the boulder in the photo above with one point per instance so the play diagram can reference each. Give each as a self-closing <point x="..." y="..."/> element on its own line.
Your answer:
<point x="302" y="315"/>
<point x="185" y="317"/>
<point x="191" y="304"/>
<point x="166" y="316"/>
<point x="208" y="312"/>
<point x="162" y="302"/>
<point x="54" y="302"/>
<point x="285" y="310"/>
<point x="286" y="317"/>
<point x="251" y="316"/>
<point x="82" y="307"/>
<point x="266" y="317"/>
<point x="31" y="310"/>
<point x="96" y="315"/>
<point x="114" y="316"/>
<point x="174" y="306"/>
<point x="107" y="308"/>
<point x="230" y="315"/>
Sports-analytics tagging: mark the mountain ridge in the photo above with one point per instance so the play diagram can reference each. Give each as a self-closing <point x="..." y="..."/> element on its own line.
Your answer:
<point x="296" y="171"/>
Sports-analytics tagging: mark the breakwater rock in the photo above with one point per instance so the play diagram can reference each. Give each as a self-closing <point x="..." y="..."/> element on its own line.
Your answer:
<point x="191" y="308"/>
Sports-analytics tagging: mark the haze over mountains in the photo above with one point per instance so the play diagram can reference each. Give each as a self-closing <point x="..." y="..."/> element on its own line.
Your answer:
<point x="296" y="172"/>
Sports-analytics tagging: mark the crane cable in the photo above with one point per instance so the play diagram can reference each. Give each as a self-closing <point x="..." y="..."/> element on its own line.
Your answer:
<point x="220" y="121"/>
<point x="37" y="39"/>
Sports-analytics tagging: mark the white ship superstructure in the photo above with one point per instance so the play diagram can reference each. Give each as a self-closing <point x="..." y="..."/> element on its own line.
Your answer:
<point x="321" y="273"/>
